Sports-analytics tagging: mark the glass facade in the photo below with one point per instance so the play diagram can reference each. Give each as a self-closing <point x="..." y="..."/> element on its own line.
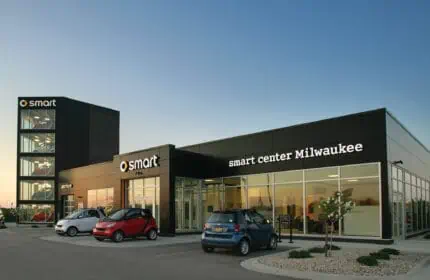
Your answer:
<point x="37" y="190"/>
<point x="37" y="166"/>
<point x="144" y="193"/>
<point x="296" y="192"/>
<point x="68" y="204"/>
<point x="38" y="119"/>
<point x="410" y="202"/>
<point x="36" y="213"/>
<point x="36" y="157"/>
<point x="37" y="143"/>
<point x="101" y="198"/>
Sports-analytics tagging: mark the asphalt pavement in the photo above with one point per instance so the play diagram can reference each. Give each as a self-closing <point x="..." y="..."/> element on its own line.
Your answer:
<point x="24" y="255"/>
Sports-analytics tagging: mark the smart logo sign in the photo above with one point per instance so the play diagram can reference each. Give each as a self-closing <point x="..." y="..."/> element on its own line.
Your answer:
<point x="37" y="103"/>
<point x="309" y="152"/>
<point x="138" y="164"/>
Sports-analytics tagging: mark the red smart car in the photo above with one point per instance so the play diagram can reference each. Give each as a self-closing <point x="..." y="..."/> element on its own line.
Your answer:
<point x="124" y="223"/>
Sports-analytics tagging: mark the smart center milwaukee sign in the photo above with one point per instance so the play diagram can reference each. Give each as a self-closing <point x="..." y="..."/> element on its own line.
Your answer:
<point x="308" y="152"/>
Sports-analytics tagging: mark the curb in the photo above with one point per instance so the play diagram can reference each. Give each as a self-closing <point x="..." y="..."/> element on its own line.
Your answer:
<point x="254" y="265"/>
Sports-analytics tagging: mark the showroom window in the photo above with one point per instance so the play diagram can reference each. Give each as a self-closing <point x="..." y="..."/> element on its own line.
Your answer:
<point x="144" y="193"/>
<point x="36" y="213"/>
<point x="37" y="143"/>
<point x="37" y="166"/>
<point x="101" y="198"/>
<point x="37" y="119"/>
<point x="188" y="204"/>
<point x="37" y="190"/>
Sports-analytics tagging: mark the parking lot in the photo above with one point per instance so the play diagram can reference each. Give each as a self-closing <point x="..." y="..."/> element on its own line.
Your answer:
<point x="29" y="253"/>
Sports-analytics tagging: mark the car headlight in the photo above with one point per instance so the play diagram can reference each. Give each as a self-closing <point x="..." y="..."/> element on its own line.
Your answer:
<point x="110" y="225"/>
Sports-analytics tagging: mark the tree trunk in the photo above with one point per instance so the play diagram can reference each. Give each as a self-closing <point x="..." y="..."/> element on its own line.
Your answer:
<point x="326" y="239"/>
<point x="331" y="238"/>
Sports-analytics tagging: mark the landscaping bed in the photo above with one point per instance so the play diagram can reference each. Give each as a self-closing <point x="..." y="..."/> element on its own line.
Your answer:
<point x="345" y="262"/>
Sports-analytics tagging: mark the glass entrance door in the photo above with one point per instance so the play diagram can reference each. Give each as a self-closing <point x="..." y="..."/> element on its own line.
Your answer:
<point x="398" y="216"/>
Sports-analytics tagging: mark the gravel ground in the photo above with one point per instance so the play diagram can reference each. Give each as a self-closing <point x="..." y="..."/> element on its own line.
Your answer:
<point x="344" y="262"/>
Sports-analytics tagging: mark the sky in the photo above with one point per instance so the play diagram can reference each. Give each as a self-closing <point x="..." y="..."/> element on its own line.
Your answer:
<point x="184" y="72"/>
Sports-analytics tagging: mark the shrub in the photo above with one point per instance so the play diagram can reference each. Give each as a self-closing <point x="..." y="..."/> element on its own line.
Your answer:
<point x="390" y="251"/>
<point x="333" y="247"/>
<point x="427" y="236"/>
<point x="317" y="250"/>
<point x="380" y="255"/>
<point x="368" y="260"/>
<point x="300" y="254"/>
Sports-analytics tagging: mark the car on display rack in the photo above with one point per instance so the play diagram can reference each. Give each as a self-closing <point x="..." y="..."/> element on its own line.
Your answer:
<point x="80" y="221"/>
<point x="240" y="230"/>
<point x="127" y="223"/>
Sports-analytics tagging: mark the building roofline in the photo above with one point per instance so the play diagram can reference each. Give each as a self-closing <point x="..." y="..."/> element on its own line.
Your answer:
<point x="88" y="166"/>
<point x="68" y="98"/>
<point x="281" y="128"/>
<point x="410" y="133"/>
<point x="143" y="150"/>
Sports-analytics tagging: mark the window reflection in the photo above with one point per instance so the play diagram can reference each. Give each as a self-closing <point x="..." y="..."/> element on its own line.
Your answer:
<point x="290" y="195"/>
<point x="37" y="143"/>
<point x="37" y="119"/>
<point x="101" y="198"/>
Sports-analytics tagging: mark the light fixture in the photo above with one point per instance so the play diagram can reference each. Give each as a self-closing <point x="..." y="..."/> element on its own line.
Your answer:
<point x="47" y="119"/>
<point x="333" y="176"/>
<point x="353" y="180"/>
<point x="36" y="117"/>
<point x="209" y="180"/>
<point x="36" y="140"/>
<point x="48" y="141"/>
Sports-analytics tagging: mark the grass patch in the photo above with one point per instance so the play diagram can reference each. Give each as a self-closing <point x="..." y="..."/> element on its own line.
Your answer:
<point x="368" y="260"/>
<point x="389" y="251"/>
<point x="380" y="255"/>
<point x="303" y="254"/>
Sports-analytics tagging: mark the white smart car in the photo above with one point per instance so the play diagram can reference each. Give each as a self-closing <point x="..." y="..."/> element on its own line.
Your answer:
<point x="80" y="221"/>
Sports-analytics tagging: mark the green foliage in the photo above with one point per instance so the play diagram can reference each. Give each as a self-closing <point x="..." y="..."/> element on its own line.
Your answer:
<point x="380" y="255"/>
<point x="390" y="251"/>
<point x="368" y="260"/>
<point x="318" y="250"/>
<point x="9" y="215"/>
<point x="333" y="247"/>
<point x="427" y="236"/>
<point x="300" y="254"/>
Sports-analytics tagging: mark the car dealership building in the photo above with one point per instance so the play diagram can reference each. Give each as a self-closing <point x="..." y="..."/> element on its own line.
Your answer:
<point x="370" y="156"/>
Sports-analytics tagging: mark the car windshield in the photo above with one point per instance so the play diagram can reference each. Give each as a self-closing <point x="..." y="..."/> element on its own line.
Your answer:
<point x="118" y="215"/>
<point x="74" y="215"/>
<point x="222" y="218"/>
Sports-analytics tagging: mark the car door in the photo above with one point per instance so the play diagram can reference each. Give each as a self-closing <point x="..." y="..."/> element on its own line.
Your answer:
<point x="252" y="229"/>
<point x="263" y="229"/>
<point x="81" y="221"/>
<point x="132" y="221"/>
<point x="91" y="220"/>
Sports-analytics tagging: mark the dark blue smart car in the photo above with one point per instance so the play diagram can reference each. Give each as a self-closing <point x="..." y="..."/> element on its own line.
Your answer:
<point x="239" y="230"/>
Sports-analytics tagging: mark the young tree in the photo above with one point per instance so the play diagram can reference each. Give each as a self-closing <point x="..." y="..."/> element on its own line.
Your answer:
<point x="334" y="208"/>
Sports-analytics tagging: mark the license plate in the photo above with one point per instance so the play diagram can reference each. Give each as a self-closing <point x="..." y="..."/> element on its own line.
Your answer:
<point x="218" y="229"/>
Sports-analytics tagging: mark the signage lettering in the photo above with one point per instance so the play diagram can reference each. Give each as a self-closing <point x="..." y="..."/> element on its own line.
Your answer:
<point x="37" y="103"/>
<point x="137" y="164"/>
<point x="309" y="152"/>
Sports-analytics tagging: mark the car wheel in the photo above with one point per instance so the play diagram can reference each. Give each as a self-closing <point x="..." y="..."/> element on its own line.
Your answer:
<point x="244" y="247"/>
<point x="152" y="234"/>
<point x="118" y="236"/>
<point x="72" y="231"/>
<point x="208" y="249"/>
<point x="273" y="243"/>
<point x="99" y="239"/>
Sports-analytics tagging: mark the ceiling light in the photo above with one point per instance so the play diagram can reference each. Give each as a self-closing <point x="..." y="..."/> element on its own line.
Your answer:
<point x="36" y="117"/>
<point x="333" y="176"/>
<point x="48" y="141"/>
<point x="353" y="180"/>
<point x="209" y="180"/>
<point x="47" y="119"/>
<point x="36" y="140"/>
